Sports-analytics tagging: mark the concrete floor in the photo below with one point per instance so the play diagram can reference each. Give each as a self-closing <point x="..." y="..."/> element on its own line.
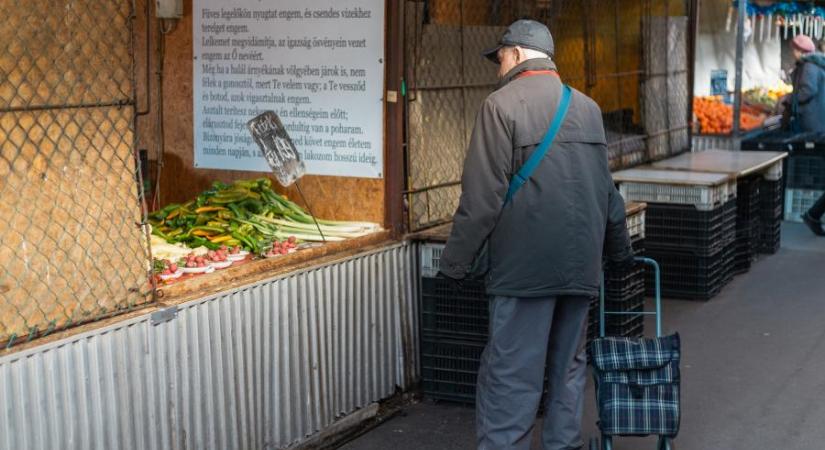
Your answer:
<point x="753" y="367"/>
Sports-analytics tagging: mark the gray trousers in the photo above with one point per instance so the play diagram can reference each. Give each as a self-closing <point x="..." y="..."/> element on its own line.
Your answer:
<point x="524" y="335"/>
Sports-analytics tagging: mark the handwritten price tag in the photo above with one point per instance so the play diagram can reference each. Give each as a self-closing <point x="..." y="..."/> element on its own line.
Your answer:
<point x="277" y="147"/>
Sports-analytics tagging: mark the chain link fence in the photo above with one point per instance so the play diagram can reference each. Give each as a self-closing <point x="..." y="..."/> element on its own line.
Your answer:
<point x="628" y="55"/>
<point x="72" y="250"/>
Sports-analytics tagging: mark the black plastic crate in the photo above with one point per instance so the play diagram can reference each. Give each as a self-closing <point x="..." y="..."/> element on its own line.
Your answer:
<point x="683" y="227"/>
<point x="687" y="217"/>
<point x="748" y="235"/>
<point x="687" y="276"/>
<point x="617" y="296"/>
<point x="620" y="325"/>
<point x="621" y="276"/>
<point x="618" y="291"/>
<point x="702" y="293"/>
<point x="634" y="329"/>
<point x="806" y="172"/>
<point x="742" y="261"/>
<point x="748" y="222"/>
<point x="748" y="198"/>
<point x="688" y="271"/>
<point x="770" y="240"/>
<point x="626" y="326"/>
<point x="637" y="331"/>
<point x="462" y="313"/>
<point x="772" y="192"/>
<point x="627" y="304"/>
<point x="772" y="209"/>
<point x="620" y="320"/>
<point x="615" y="324"/>
<point x="771" y="213"/>
<point x="623" y="283"/>
<point x="449" y="368"/>
<point x="783" y="141"/>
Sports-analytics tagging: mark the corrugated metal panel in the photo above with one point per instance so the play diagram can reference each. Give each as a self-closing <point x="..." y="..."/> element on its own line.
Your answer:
<point x="260" y="367"/>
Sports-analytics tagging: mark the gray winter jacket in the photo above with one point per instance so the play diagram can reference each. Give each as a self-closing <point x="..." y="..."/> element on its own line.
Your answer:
<point x="809" y="92"/>
<point x="550" y="238"/>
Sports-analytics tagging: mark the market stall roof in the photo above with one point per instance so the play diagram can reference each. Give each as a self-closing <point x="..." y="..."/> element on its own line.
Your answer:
<point x="649" y="174"/>
<point x="739" y="163"/>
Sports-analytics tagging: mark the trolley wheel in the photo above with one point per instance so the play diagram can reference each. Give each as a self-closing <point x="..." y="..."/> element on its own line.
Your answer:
<point x="665" y="443"/>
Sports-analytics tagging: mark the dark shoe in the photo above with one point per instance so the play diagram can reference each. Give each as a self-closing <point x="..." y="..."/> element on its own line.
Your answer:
<point x="813" y="224"/>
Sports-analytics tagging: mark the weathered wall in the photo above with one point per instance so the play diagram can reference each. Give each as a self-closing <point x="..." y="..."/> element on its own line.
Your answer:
<point x="330" y="197"/>
<point x="70" y="251"/>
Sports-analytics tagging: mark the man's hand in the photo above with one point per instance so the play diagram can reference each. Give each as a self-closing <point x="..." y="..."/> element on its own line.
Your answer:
<point x="455" y="283"/>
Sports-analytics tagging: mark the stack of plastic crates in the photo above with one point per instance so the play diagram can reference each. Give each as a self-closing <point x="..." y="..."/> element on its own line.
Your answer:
<point x="805" y="182"/>
<point x="691" y="231"/>
<point x="771" y="195"/>
<point x="804" y="179"/>
<point x="454" y="328"/>
<point x="748" y="222"/>
<point x="624" y="292"/>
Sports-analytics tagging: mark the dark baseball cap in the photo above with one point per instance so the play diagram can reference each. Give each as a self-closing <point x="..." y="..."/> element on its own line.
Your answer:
<point x="526" y="34"/>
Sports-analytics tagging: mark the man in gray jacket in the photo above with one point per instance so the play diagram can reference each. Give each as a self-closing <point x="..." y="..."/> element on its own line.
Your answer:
<point x="545" y="245"/>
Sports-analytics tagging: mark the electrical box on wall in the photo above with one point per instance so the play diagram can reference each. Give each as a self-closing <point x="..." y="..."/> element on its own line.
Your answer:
<point x="169" y="9"/>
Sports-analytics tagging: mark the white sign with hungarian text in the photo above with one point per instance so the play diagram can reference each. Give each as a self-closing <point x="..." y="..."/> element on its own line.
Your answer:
<point x="317" y="63"/>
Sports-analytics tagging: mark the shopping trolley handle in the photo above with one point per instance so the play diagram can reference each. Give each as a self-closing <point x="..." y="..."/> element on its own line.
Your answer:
<point x="657" y="276"/>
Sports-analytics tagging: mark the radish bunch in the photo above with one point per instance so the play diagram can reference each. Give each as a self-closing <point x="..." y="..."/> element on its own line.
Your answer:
<point x="283" y="247"/>
<point x="169" y="267"/>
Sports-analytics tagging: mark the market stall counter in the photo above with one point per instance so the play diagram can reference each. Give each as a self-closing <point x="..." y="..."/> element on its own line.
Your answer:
<point x="236" y="232"/>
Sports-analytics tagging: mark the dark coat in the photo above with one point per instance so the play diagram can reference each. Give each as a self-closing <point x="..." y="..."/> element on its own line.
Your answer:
<point x="549" y="240"/>
<point x="809" y="93"/>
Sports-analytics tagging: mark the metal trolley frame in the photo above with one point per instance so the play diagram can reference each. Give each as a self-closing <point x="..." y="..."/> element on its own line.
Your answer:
<point x="665" y="442"/>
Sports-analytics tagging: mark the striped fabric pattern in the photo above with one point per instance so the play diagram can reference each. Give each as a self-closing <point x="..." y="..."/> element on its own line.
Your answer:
<point x="637" y="385"/>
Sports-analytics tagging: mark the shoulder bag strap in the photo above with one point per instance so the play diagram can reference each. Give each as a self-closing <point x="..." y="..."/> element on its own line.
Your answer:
<point x="529" y="167"/>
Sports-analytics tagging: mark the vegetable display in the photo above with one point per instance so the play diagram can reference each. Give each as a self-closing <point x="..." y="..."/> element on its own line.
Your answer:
<point x="246" y="214"/>
<point x="716" y="117"/>
<point x="766" y="98"/>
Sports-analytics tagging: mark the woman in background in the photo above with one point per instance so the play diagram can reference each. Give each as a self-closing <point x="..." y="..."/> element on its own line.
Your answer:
<point x="807" y="108"/>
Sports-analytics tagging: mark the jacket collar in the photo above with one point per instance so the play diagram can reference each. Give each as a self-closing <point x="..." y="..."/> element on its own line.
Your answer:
<point x="530" y="64"/>
<point x="816" y="58"/>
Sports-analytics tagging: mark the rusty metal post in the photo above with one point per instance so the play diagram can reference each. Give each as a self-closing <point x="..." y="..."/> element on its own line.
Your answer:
<point x="693" y="34"/>
<point x="394" y="113"/>
<point x="740" y="51"/>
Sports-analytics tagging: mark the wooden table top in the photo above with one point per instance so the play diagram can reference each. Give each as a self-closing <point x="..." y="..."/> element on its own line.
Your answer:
<point x="739" y="163"/>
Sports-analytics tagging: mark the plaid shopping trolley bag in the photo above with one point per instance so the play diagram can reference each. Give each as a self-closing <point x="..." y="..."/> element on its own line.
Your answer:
<point x="637" y="385"/>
